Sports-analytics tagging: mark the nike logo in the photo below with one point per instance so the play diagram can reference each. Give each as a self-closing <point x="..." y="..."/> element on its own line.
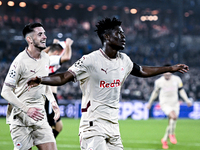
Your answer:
<point x="104" y="70"/>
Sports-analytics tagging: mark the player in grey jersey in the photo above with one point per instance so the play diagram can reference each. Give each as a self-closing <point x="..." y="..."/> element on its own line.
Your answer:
<point x="101" y="75"/>
<point x="26" y="114"/>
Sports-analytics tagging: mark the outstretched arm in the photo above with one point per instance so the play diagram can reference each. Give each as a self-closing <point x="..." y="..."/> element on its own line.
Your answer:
<point x="54" y="80"/>
<point x="146" y="71"/>
<point x="185" y="97"/>
<point x="153" y="96"/>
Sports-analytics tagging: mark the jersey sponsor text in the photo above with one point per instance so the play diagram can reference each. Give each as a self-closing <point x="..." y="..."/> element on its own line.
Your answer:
<point x="115" y="83"/>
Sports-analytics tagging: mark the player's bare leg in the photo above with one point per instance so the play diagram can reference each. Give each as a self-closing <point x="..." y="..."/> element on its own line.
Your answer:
<point x="59" y="126"/>
<point x="172" y="125"/>
<point x="47" y="146"/>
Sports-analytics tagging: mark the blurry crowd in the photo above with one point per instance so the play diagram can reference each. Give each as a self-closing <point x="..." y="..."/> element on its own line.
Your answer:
<point x="147" y="43"/>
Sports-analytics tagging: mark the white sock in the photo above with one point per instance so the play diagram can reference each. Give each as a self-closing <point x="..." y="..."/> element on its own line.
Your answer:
<point x="166" y="134"/>
<point x="174" y="127"/>
<point x="171" y="126"/>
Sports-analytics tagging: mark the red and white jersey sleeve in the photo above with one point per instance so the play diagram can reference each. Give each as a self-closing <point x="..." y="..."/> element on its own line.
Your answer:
<point x="54" y="63"/>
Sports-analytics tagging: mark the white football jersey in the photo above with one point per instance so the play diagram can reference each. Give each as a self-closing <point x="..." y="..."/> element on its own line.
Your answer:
<point x="168" y="89"/>
<point x="101" y="79"/>
<point x="21" y="70"/>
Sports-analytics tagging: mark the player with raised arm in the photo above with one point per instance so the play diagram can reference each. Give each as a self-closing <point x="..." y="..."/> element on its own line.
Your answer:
<point x="168" y="87"/>
<point x="59" y="52"/>
<point x="101" y="74"/>
<point x="26" y="115"/>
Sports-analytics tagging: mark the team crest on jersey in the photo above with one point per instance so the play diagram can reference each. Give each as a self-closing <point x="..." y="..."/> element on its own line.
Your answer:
<point x="18" y="145"/>
<point x="12" y="73"/>
<point x="90" y="148"/>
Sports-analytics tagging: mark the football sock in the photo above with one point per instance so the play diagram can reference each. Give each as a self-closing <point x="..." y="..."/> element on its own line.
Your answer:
<point x="171" y="126"/>
<point x="174" y="127"/>
<point x="166" y="134"/>
<point x="55" y="133"/>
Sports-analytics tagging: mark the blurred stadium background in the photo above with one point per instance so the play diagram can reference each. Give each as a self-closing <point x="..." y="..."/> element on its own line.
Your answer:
<point x="157" y="32"/>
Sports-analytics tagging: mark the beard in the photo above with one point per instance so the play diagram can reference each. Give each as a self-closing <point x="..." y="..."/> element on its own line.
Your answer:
<point x="39" y="47"/>
<point x="116" y="47"/>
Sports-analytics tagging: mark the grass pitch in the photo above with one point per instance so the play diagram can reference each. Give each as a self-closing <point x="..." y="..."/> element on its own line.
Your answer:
<point x="136" y="135"/>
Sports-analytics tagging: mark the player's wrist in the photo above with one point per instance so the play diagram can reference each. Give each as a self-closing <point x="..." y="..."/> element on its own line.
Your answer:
<point x="53" y="101"/>
<point x="40" y="80"/>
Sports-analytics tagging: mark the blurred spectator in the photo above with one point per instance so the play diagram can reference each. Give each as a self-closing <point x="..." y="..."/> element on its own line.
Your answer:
<point x="153" y="43"/>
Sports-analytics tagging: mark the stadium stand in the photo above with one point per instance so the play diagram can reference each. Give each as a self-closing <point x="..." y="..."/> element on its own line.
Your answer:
<point x="148" y="43"/>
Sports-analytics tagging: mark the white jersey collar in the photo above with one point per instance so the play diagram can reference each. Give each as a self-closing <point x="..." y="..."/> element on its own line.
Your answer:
<point x="104" y="54"/>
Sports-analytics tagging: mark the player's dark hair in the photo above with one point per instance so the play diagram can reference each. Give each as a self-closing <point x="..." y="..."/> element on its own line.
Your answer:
<point x="55" y="47"/>
<point x="105" y="25"/>
<point x="30" y="28"/>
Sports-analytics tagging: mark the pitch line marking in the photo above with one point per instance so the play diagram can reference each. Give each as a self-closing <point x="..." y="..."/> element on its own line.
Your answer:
<point x="156" y="142"/>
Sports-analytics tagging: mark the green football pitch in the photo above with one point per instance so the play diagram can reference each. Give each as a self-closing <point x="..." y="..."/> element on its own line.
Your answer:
<point x="136" y="134"/>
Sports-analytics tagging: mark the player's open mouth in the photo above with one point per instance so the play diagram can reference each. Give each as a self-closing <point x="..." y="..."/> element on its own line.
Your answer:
<point x="43" y="42"/>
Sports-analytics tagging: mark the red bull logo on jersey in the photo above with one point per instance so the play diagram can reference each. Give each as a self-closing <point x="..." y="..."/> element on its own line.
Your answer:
<point x="115" y="83"/>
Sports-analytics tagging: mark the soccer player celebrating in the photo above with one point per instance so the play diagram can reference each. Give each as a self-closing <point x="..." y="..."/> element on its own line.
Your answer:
<point x="26" y="114"/>
<point x="101" y="74"/>
<point x="167" y="87"/>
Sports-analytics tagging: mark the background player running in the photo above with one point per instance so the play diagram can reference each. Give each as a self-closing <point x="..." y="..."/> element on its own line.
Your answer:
<point x="168" y="87"/>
